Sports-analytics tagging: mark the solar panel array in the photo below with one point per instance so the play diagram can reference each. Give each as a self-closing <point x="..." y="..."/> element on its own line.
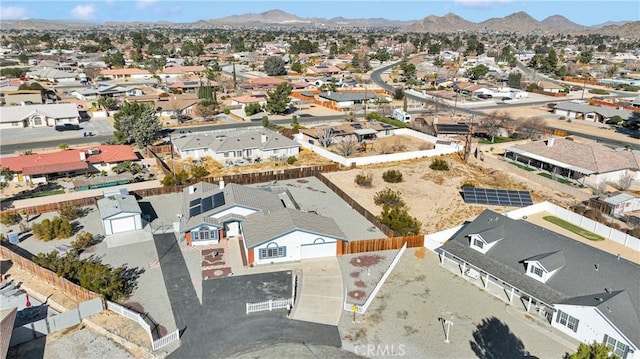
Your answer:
<point x="497" y="197"/>
<point x="202" y="205"/>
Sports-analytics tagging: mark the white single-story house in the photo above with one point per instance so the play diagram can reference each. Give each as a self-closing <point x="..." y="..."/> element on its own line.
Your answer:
<point x="346" y="99"/>
<point x="107" y="90"/>
<point x="588" y="112"/>
<point x="586" y="293"/>
<point x="120" y="213"/>
<point x="231" y="146"/>
<point x="551" y="87"/>
<point x="287" y="235"/>
<point x="51" y="75"/>
<point x="588" y="163"/>
<point x="616" y="204"/>
<point x="270" y="230"/>
<point x="38" y="115"/>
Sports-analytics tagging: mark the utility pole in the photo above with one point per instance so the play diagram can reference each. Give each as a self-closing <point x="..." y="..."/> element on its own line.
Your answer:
<point x="467" y="146"/>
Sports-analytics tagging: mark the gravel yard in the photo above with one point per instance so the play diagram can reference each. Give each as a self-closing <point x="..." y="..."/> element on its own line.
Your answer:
<point x="403" y="319"/>
<point x="361" y="272"/>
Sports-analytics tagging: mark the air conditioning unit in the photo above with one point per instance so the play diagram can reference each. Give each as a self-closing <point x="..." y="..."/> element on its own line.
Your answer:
<point x="93" y="151"/>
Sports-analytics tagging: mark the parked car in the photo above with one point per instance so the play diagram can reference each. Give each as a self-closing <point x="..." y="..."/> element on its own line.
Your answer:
<point x="484" y="96"/>
<point x="67" y="127"/>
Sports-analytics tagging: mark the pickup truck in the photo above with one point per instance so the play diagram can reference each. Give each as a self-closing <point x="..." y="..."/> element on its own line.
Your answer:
<point x="67" y="127"/>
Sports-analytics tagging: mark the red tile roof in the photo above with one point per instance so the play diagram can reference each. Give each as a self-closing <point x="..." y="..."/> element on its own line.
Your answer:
<point x="68" y="160"/>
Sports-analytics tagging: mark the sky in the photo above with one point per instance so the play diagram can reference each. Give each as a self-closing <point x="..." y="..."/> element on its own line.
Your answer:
<point x="584" y="12"/>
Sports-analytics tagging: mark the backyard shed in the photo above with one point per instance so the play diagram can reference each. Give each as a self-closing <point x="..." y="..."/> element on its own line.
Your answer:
<point x="120" y="213"/>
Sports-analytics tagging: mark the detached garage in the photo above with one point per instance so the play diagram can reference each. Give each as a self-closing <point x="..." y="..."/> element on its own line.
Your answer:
<point x="289" y="235"/>
<point x="120" y="213"/>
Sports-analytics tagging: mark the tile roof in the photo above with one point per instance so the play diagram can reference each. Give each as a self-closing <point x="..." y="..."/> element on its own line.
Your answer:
<point x="130" y="71"/>
<point x="589" y="156"/>
<point x="116" y="204"/>
<point x="577" y="278"/>
<point x="177" y="70"/>
<point x="17" y="113"/>
<point x="265" y="226"/>
<point x="67" y="160"/>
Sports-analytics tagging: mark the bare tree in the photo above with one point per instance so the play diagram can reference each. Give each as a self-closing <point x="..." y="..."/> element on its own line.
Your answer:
<point x="326" y="137"/>
<point x="494" y="123"/>
<point x="599" y="188"/>
<point x="531" y="128"/>
<point x="625" y="181"/>
<point x="347" y="145"/>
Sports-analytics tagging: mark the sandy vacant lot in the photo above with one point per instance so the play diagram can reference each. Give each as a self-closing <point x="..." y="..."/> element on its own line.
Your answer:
<point x="434" y="196"/>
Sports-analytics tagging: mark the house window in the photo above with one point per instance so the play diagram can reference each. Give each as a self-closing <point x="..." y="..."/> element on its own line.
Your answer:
<point x="617" y="347"/>
<point x="238" y="153"/>
<point x="567" y="321"/>
<point x="227" y="154"/>
<point x="204" y="235"/>
<point x="536" y="270"/>
<point x="478" y="243"/>
<point x="272" y="252"/>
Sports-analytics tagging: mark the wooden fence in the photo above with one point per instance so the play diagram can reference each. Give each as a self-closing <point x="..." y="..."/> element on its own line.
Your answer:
<point x="355" y="205"/>
<point x="54" y="206"/>
<point x="601" y="103"/>
<point x="382" y="244"/>
<point x="159" y="162"/>
<point x="73" y="290"/>
<point x="245" y="178"/>
<point x="159" y="149"/>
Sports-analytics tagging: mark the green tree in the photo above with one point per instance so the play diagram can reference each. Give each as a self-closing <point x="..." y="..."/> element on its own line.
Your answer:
<point x="63" y="146"/>
<point x="388" y="198"/>
<point x="274" y="66"/>
<point x="278" y="101"/>
<point x="23" y="58"/>
<point x="127" y="166"/>
<point x="83" y="240"/>
<point x="400" y="221"/>
<point x="108" y="103"/>
<point x="592" y="351"/>
<point x="585" y="57"/>
<point x="398" y="93"/>
<point x="252" y="108"/>
<point x="176" y="179"/>
<point x="199" y="172"/>
<point x="477" y="72"/>
<point x="514" y="80"/>
<point x="297" y="67"/>
<point x="438" y="62"/>
<point x="136" y="122"/>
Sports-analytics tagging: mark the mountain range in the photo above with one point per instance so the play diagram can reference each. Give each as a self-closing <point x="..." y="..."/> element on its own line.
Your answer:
<point x="519" y="22"/>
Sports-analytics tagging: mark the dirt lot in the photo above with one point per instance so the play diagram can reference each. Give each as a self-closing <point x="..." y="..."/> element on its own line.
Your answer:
<point x="434" y="196"/>
<point x="385" y="145"/>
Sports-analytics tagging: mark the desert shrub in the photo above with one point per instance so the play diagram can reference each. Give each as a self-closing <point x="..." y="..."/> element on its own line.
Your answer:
<point x="90" y="273"/>
<point x="364" y="179"/>
<point x="226" y="111"/>
<point x="291" y="160"/>
<point x="70" y="213"/>
<point x="388" y="198"/>
<point x="83" y="240"/>
<point x="468" y="185"/>
<point x="598" y="91"/>
<point x="400" y="221"/>
<point x="392" y="176"/>
<point x="57" y="228"/>
<point x="562" y="118"/>
<point x="439" y="164"/>
<point x="9" y="219"/>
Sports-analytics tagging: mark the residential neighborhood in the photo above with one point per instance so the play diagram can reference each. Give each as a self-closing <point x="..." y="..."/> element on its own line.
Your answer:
<point x="313" y="182"/>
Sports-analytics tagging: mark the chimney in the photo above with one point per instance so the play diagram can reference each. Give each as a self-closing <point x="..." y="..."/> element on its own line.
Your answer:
<point x="83" y="156"/>
<point x="192" y="189"/>
<point x="221" y="184"/>
<point x="263" y="138"/>
<point x="550" y="142"/>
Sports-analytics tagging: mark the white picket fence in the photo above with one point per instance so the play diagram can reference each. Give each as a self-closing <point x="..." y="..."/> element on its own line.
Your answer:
<point x="136" y="317"/>
<point x="167" y="339"/>
<point x="269" y="305"/>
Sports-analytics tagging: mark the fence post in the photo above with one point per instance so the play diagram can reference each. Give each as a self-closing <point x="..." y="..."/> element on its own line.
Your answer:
<point x="270" y="304"/>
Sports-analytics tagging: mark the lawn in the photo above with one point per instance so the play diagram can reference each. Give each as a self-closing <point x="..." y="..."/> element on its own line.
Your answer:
<point x="20" y="196"/>
<point x="559" y="179"/>
<point x="497" y="139"/>
<point x="573" y="228"/>
<point x="526" y="168"/>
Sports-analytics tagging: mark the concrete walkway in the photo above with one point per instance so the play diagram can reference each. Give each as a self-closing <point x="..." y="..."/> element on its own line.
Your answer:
<point x="321" y="292"/>
<point x="321" y="296"/>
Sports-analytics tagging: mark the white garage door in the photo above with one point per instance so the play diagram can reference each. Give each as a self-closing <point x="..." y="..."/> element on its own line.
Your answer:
<point x="123" y="224"/>
<point x="318" y="250"/>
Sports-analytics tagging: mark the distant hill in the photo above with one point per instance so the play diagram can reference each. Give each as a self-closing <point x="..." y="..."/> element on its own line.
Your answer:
<point x="442" y="24"/>
<point x="558" y="22"/>
<point x="519" y="22"/>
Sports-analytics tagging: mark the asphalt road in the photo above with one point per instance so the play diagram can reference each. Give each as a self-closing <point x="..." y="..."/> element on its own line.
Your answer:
<point x="220" y="327"/>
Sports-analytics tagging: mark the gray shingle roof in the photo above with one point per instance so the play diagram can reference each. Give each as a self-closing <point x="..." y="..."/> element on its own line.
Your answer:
<point x="347" y="96"/>
<point x="235" y="141"/>
<point x="234" y="195"/>
<point x="265" y="226"/>
<point x="584" y="108"/>
<point x="112" y="205"/>
<point x="577" y="278"/>
<point x="491" y="235"/>
<point x="550" y="261"/>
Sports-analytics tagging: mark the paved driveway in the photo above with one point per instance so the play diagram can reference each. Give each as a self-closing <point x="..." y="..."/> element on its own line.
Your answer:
<point x="321" y="295"/>
<point x="220" y="328"/>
